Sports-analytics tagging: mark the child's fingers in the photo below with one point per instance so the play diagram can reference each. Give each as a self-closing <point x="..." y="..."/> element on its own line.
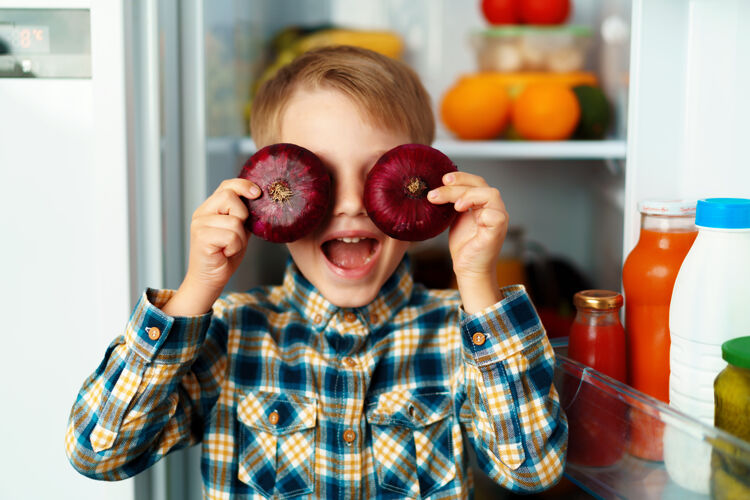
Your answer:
<point x="480" y="197"/>
<point x="446" y="194"/>
<point x="242" y="187"/>
<point x="211" y="226"/>
<point x="464" y="197"/>
<point x="215" y="240"/>
<point x="492" y="218"/>
<point x="226" y="199"/>
<point x="463" y="178"/>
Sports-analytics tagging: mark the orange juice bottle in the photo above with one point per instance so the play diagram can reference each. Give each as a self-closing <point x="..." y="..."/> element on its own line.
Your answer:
<point x="667" y="233"/>
<point x="510" y="265"/>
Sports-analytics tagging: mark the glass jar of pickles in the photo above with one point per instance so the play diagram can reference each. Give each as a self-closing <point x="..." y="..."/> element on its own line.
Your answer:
<point x="730" y="467"/>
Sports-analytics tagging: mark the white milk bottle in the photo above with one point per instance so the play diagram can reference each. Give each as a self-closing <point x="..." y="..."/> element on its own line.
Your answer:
<point x="710" y="305"/>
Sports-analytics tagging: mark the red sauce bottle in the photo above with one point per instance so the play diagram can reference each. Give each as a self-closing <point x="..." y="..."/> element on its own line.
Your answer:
<point x="597" y="338"/>
<point x="597" y="416"/>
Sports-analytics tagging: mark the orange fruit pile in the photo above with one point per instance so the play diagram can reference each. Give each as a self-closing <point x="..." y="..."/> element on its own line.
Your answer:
<point x="480" y="107"/>
<point x="546" y="112"/>
<point x="476" y="108"/>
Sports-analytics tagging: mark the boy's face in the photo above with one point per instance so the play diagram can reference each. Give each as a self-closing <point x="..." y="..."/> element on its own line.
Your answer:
<point x="346" y="257"/>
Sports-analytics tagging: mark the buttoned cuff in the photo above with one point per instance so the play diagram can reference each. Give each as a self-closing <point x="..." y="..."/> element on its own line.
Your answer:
<point x="158" y="337"/>
<point x="501" y="330"/>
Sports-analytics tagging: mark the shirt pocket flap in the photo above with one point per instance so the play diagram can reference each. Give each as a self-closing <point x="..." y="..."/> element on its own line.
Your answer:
<point x="277" y="414"/>
<point x="413" y="409"/>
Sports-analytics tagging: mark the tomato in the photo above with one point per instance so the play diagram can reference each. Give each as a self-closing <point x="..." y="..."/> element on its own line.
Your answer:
<point x="501" y="11"/>
<point x="544" y="11"/>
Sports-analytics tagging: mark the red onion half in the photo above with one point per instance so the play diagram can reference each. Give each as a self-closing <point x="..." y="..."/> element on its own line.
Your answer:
<point x="396" y="192"/>
<point x="295" y="192"/>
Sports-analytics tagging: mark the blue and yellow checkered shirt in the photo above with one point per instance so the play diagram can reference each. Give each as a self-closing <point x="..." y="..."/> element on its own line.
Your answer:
<point x="292" y="396"/>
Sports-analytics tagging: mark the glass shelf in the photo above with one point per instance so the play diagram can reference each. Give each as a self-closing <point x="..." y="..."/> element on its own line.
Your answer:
<point x="611" y="149"/>
<point x="612" y="424"/>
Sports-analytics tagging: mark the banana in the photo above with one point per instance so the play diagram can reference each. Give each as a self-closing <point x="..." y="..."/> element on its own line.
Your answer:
<point x="385" y="42"/>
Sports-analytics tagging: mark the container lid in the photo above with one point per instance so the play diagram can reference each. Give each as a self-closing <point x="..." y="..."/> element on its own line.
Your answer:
<point x="597" y="299"/>
<point x="516" y="30"/>
<point x="667" y="207"/>
<point x="737" y="352"/>
<point x="723" y="213"/>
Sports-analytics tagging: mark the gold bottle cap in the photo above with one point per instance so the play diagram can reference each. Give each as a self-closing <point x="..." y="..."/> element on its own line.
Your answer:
<point x="597" y="299"/>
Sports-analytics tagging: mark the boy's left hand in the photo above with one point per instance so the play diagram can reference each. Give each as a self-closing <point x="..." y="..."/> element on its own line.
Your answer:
<point x="476" y="235"/>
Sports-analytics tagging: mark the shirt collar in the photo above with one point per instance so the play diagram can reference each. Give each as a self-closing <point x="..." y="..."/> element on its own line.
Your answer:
<point x="318" y="311"/>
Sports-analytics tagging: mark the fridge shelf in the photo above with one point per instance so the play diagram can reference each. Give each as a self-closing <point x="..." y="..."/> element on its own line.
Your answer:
<point x="612" y="149"/>
<point x="699" y="461"/>
<point x="533" y="150"/>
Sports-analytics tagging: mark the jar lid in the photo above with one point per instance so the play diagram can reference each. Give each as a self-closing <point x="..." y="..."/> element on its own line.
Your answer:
<point x="667" y="207"/>
<point x="597" y="299"/>
<point x="516" y="30"/>
<point x="737" y="352"/>
<point x="723" y="213"/>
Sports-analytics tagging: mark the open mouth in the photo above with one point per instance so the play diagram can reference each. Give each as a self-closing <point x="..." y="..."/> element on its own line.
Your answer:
<point x="350" y="252"/>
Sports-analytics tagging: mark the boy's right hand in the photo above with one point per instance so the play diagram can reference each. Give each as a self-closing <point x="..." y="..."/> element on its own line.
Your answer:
<point x="218" y="240"/>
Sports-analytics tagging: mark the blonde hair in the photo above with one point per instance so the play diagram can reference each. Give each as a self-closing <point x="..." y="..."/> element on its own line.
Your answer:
<point x="387" y="90"/>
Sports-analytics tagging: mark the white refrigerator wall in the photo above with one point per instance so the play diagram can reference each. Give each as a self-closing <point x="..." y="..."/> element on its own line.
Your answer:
<point x="65" y="254"/>
<point x="689" y="128"/>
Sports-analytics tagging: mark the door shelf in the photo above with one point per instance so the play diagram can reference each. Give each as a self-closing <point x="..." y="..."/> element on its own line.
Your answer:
<point x="611" y="150"/>
<point x="604" y="414"/>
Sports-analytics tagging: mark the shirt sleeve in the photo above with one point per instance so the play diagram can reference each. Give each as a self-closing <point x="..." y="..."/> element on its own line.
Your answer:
<point x="150" y="394"/>
<point x="511" y="411"/>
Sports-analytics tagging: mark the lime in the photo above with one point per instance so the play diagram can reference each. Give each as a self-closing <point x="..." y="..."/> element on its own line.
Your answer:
<point x="596" y="112"/>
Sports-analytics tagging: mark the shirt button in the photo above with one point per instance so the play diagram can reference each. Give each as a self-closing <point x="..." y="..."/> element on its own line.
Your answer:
<point x="273" y="418"/>
<point x="154" y="333"/>
<point x="478" y="338"/>
<point x="317" y="319"/>
<point x="374" y="319"/>
<point x="350" y="436"/>
<point x="350" y="362"/>
<point x="350" y="317"/>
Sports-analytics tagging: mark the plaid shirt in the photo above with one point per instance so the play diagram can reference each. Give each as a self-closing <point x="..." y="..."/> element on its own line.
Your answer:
<point x="293" y="396"/>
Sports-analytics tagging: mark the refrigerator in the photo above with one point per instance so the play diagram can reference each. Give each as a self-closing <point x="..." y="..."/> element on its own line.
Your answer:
<point x="123" y="116"/>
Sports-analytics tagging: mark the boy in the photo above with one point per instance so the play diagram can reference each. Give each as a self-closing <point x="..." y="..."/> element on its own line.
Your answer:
<point x="348" y="380"/>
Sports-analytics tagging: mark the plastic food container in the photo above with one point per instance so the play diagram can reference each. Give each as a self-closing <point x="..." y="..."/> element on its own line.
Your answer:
<point x="531" y="48"/>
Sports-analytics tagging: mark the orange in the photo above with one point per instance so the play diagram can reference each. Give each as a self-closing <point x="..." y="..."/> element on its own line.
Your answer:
<point x="476" y="108"/>
<point x="546" y="112"/>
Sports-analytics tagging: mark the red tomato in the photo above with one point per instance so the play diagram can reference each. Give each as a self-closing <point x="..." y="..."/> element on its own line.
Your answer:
<point x="544" y="11"/>
<point x="501" y="11"/>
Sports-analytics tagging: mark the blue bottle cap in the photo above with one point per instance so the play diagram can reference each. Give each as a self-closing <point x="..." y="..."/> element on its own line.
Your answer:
<point x="723" y="213"/>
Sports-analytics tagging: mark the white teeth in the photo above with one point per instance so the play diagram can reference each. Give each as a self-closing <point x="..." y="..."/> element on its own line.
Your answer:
<point x="350" y="240"/>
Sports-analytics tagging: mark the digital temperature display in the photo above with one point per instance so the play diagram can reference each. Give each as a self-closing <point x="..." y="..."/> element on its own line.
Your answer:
<point x="45" y="43"/>
<point x="26" y="39"/>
